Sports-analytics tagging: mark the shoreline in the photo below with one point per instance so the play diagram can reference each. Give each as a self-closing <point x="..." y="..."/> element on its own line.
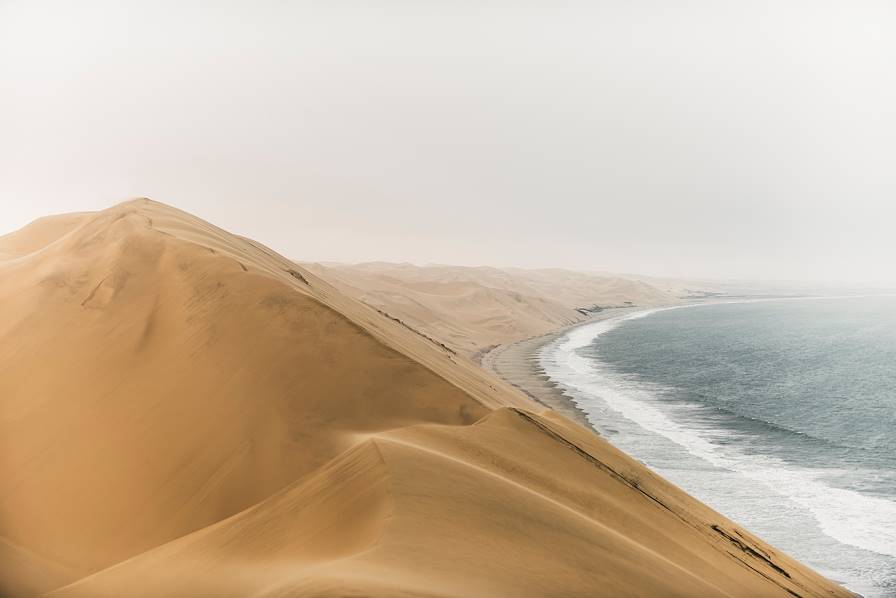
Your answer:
<point x="516" y="363"/>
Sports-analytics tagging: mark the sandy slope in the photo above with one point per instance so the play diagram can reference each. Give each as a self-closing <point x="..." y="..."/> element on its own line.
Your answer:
<point x="470" y="309"/>
<point x="185" y="413"/>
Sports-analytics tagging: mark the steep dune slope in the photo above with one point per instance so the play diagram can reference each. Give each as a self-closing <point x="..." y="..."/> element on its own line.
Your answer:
<point x="151" y="386"/>
<point x="468" y="511"/>
<point x="185" y="413"/>
<point x="470" y="309"/>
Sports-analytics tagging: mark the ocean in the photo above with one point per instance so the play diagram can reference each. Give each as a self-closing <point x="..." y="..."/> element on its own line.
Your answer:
<point x="780" y="414"/>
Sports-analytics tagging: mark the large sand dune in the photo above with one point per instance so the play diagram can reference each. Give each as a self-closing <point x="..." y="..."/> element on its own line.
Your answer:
<point x="185" y="413"/>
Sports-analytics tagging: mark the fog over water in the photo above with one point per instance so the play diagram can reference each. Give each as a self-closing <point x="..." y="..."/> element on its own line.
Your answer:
<point x="705" y="138"/>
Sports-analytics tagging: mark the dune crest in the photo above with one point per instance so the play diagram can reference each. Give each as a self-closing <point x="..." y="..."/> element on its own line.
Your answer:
<point x="183" y="412"/>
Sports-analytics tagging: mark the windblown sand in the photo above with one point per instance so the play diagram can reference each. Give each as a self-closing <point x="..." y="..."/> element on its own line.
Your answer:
<point x="184" y="412"/>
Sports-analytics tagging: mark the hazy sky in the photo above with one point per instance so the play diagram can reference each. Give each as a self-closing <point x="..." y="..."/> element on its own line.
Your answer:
<point x="741" y="139"/>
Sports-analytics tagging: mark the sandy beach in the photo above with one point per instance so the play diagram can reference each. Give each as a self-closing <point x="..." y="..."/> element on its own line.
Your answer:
<point x="517" y="364"/>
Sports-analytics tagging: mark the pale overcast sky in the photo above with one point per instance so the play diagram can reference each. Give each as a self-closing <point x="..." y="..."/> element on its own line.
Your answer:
<point x="747" y="139"/>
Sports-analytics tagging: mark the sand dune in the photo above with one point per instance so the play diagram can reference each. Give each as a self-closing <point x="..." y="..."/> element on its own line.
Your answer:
<point x="470" y="309"/>
<point x="183" y="412"/>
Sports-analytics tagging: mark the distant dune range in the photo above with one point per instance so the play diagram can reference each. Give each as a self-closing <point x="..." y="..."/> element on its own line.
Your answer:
<point x="471" y="309"/>
<point x="184" y="412"/>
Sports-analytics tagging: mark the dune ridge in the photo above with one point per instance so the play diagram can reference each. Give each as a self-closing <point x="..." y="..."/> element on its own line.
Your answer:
<point x="183" y="412"/>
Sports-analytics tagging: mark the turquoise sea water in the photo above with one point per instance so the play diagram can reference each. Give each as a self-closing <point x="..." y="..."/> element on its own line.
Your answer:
<point x="779" y="414"/>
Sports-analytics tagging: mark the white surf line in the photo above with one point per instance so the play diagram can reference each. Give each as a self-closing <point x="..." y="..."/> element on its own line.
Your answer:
<point x="849" y="517"/>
